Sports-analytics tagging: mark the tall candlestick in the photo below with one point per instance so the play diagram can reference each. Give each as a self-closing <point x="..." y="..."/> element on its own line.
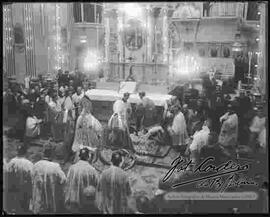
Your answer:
<point x="155" y="38"/>
<point x="98" y="38"/>
<point x="136" y="38"/>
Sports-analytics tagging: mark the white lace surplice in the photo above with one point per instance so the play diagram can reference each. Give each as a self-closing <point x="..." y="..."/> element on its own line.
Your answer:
<point x="113" y="191"/>
<point x="229" y="131"/>
<point x="48" y="183"/>
<point x="80" y="176"/>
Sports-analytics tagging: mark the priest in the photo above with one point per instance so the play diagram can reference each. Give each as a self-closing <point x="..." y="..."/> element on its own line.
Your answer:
<point x="178" y="129"/>
<point x="114" y="188"/>
<point x="228" y="136"/>
<point x="48" y="185"/>
<point x="88" y="130"/>
<point x="19" y="182"/>
<point x="80" y="176"/>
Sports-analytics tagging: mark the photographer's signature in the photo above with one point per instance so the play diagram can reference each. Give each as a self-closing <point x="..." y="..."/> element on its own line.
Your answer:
<point x="213" y="175"/>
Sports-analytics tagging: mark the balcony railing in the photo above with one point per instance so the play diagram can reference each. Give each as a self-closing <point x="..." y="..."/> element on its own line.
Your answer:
<point x="225" y="9"/>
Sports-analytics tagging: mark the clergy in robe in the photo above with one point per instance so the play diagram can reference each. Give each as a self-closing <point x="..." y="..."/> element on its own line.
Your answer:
<point x="200" y="139"/>
<point x="88" y="130"/>
<point x="178" y="129"/>
<point x="48" y="185"/>
<point x="123" y="108"/>
<point x="69" y="121"/>
<point x="114" y="189"/>
<point x="80" y="175"/>
<point x="256" y="127"/>
<point x="19" y="182"/>
<point x="149" y="110"/>
<point x="76" y="99"/>
<point x="119" y="123"/>
<point x="228" y="136"/>
<point x="56" y="117"/>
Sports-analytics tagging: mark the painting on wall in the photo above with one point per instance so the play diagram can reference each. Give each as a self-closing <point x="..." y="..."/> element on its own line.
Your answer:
<point x="19" y="37"/>
<point x="134" y="35"/>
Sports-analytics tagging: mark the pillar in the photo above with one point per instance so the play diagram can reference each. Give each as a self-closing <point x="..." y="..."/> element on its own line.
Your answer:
<point x="107" y="39"/>
<point x="165" y="37"/>
<point x="30" y="60"/>
<point x="8" y="41"/>
<point x="149" y="33"/>
<point x="262" y="61"/>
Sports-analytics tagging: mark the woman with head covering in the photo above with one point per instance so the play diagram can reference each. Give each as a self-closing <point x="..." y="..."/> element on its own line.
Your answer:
<point x="88" y="130"/>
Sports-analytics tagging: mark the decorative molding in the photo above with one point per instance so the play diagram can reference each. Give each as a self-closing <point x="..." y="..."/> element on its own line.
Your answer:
<point x="89" y="25"/>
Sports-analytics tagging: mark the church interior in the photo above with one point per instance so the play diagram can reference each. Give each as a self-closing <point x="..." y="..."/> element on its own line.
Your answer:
<point x="153" y="82"/>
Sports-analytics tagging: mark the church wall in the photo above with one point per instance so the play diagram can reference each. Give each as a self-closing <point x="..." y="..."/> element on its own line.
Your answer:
<point x="19" y="54"/>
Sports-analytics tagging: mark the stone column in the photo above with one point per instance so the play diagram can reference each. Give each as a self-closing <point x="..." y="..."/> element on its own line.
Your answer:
<point x="165" y="34"/>
<point x="149" y="33"/>
<point x="8" y="41"/>
<point x="107" y="39"/>
<point x="29" y="40"/>
<point x="262" y="66"/>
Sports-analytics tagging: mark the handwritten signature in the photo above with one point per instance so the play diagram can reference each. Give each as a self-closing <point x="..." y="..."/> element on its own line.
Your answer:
<point x="214" y="173"/>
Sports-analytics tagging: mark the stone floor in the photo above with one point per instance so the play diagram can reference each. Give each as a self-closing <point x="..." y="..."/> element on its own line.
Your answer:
<point x="144" y="180"/>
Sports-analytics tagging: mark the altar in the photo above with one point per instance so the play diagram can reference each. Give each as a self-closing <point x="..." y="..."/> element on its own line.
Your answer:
<point x="107" y="93"/>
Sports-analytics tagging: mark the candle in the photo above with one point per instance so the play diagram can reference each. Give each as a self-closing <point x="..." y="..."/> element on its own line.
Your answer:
<point x="155" y="38"/>
<point x="136" y="37"/>
<point x="97" y="38"/>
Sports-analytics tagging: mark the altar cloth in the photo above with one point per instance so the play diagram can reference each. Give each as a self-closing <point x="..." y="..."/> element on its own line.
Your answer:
<point x="111" y="95"/>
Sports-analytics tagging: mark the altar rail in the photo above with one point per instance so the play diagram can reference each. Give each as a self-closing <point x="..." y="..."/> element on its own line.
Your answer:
<point x="147" y="73"/>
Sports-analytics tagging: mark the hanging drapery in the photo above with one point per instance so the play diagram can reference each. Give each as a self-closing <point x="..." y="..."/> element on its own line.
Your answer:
<point x="8" y="41"/>
<point x="30" y="40"/>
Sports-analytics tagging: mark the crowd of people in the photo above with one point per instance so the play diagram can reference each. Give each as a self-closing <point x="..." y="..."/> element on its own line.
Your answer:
<point x="216" y="125"/>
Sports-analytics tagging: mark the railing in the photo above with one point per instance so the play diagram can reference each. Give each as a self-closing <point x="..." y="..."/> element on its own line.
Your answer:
<point x="148" y="73"/>
<point x="226" y="9"/>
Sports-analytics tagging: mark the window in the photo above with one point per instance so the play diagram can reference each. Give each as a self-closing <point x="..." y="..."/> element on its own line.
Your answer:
<point x="18" y="34"/>
<point x="252" y="11"/>
<point x="87" y="12"/>
<point x="77" y="12"/>
<point x="226" y="52"/>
